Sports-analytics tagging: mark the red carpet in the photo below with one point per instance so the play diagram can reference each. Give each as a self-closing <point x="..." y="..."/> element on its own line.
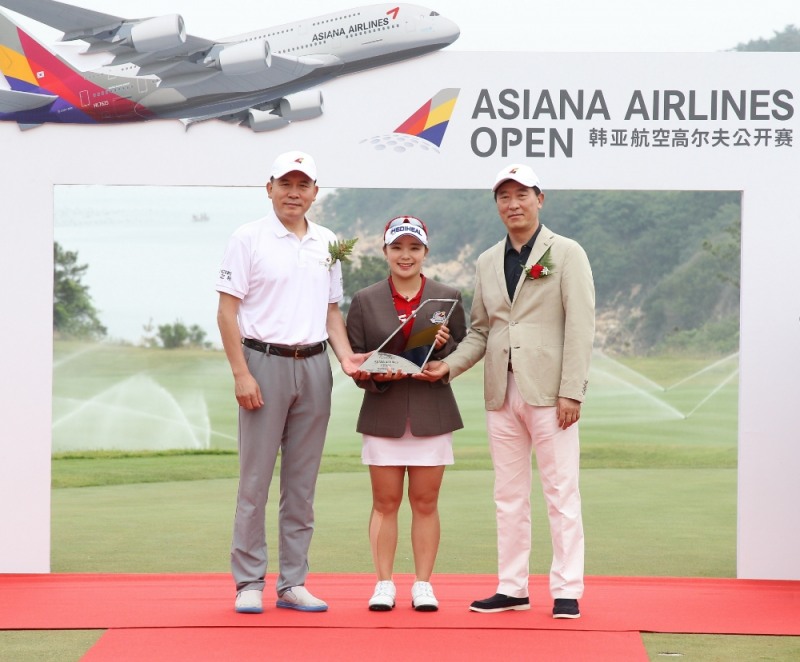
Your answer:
<point x="348" y="644"/>
<point x="153" y="617"/>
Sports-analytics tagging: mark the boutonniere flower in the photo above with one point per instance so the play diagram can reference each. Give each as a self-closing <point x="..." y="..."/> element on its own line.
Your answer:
<point x="340" y="251"/>
<point x="544" y="267"/>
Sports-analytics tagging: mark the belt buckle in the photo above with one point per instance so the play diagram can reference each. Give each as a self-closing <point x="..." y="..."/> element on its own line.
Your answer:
<point x="297" y="353"/>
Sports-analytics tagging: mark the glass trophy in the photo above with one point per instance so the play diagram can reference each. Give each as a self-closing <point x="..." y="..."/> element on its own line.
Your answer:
<point x="408" y="350"/>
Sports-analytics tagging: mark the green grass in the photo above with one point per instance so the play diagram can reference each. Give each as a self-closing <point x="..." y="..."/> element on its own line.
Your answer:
<point x="638" y="522"/>
<point x="46" y="645"/>
<point x="129" y="398"/>
<point x="658" y="479"/>
<point x="104" y="396"/>
<point x="87" y="469"/>
<point x="721" y="648"/>
<point x="111" y="397"/>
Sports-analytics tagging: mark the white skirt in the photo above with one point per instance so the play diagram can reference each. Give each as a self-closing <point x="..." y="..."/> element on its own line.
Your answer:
<point x="408" y="450"/>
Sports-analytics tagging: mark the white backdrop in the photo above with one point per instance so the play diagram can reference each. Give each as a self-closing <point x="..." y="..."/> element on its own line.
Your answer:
<point x="603" y="146"/>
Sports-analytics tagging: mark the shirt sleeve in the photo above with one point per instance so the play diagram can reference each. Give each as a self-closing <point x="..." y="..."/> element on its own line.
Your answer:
<point x="233" y="273"/>
<point x="336" y="290"/>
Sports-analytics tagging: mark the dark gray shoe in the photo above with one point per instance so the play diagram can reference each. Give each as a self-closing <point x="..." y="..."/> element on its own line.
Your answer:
<point x="500" y="602"/>
<point x="565" y="608"/>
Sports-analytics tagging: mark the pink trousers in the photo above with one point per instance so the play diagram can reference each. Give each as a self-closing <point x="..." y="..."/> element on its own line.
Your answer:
<point x="515" y="431"/>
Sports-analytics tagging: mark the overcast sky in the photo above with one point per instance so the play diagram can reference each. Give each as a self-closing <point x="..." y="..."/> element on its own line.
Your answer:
<point x="516" y="25"/>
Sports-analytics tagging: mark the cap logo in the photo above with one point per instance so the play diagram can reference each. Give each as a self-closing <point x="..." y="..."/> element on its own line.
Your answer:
<point x="405" y="229"/>
<point x="513" y="171"/>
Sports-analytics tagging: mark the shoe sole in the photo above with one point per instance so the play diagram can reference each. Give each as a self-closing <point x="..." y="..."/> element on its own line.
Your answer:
<point x="566" y="615"/>
<point x="425" y="607"/>
<point x="249" y="610"/>
<point x="380" y="607"/>
<point x="496" y="610"/>
<point x="291" y="605"/>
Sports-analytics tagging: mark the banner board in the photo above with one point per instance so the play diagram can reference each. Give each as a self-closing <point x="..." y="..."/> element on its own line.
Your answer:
<point x="722" y="121"/>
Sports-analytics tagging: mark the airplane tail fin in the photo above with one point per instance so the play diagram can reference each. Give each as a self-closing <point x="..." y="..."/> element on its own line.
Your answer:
<point x="431" y="120"/>
<point x="40" y="85"/>
<point x="27" y="65"/>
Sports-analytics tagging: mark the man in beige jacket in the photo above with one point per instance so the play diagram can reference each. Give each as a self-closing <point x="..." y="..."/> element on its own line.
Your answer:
<point x="533" y="323"/>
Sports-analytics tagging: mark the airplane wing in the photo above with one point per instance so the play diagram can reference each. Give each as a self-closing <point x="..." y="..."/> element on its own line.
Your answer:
<point x="12" y="101"/>
<point x="130" y="40"/>
<point x="66" y="18"/>
<point x="160" y="46"/>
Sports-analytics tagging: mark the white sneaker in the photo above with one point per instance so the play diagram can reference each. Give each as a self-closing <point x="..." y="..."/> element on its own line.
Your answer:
<point x="249" y="602"/>
<point x="383" y="598"/>
<point x="422" y="597"/>
<point x="299" y="598"/>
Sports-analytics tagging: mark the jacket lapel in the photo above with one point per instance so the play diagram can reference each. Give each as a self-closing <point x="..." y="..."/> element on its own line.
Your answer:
<point x="498" y="263"/>
<point x="540" y="247"/>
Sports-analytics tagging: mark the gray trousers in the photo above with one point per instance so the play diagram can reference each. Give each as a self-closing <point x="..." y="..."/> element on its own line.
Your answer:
<point x="294" y="421"/>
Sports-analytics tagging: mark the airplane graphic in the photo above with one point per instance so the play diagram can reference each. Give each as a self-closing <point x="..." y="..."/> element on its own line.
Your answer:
<point x="423" y="129"/>
<point x="261" y="80"/>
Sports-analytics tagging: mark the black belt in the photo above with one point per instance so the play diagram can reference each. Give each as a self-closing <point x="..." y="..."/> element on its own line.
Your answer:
<point x="298" y="352"/>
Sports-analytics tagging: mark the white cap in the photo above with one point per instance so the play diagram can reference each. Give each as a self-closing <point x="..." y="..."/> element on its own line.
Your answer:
<point x="294" y="161"/>
<point x="409" y="225"/>
<point x="519" y="173"/>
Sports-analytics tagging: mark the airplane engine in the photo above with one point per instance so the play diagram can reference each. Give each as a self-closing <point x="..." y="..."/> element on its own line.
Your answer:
<point x="293" y="108"/>
<point x="248" y="57"/>
<point x="264" y="120"/>
<point x="304" y="105"/>
<point x="158" y="34"/>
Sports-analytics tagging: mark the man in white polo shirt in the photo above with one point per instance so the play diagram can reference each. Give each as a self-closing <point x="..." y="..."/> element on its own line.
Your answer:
<point x="279" y="299"/>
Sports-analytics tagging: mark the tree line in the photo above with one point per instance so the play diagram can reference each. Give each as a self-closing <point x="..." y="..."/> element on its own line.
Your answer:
<point x="665" y="263"/>
<point x="75" y="316"/>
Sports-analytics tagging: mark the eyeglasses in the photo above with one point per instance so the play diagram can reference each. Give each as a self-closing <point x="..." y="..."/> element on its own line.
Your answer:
<point x="411" y="220"/>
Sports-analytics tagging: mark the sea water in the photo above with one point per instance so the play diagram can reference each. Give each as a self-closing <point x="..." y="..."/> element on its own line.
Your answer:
<point x="153" y="253"/>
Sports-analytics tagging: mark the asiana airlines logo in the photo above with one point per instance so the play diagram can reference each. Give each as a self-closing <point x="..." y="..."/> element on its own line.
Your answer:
<point x="424" y="129"/>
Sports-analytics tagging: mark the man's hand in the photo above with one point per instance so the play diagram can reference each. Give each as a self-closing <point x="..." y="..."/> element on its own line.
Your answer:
<point x="568" y="412"/>
<point x="248" y="393"/>
<point x="433" y="371"/>
<point x="352" y="363"/>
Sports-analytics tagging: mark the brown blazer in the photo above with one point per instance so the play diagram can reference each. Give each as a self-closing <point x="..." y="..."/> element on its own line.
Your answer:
<point x="546" y="331"/>
<point x="431" y="407"/>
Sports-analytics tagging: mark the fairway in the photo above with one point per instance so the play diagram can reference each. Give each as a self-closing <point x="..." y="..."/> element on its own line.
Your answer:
<point x="640" y="412"/>
<point x="658" y="468"/>
<point x="639" y="522"/>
